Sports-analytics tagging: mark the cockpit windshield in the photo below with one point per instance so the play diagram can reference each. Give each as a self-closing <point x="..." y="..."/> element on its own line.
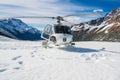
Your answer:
<point x="62" y="29"/>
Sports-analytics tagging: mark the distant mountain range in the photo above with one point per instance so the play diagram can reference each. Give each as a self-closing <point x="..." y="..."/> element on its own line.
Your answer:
<point x="16" y="29"/>
<point x="106" y="28"/>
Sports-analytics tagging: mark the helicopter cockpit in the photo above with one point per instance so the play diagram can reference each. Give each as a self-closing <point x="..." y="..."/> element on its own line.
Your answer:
<point x="56" y="29"/>
<point x="62" y="29"/>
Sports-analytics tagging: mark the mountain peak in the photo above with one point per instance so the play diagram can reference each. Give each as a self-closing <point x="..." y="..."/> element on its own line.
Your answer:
<point x="106" y="28"/>
<point x="112" y="14"/>
<point x="114" y="11"/>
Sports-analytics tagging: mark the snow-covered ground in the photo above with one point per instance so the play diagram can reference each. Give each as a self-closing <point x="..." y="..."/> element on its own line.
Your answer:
<point x="25" y="60"/>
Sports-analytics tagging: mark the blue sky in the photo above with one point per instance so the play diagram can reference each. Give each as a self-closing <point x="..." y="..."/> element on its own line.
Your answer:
<point x="106" y="5"/>
<point x="54" y="8"/>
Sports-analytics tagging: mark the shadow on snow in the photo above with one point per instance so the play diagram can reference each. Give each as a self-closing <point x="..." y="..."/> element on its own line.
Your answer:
<point x="78" y="49"/>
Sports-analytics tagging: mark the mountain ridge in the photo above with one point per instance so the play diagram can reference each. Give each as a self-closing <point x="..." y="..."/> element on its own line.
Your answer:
<point x="106" y="28"/>
<point x="17" y="29"/>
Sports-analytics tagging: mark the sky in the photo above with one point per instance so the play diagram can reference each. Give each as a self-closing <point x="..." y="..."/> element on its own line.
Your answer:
<point x="11" y="8"/>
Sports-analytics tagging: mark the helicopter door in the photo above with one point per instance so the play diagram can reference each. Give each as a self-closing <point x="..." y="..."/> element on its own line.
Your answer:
<point x="47" y="32"/>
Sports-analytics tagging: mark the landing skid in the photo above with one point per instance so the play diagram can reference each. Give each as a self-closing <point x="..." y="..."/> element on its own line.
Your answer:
<point x="47" y="44"/>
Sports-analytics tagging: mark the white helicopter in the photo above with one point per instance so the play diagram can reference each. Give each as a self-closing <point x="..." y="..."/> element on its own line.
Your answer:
<point x="57" y="34"/>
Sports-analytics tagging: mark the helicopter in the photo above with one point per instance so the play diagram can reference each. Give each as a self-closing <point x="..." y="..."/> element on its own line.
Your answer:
<point x="59" y="33"/>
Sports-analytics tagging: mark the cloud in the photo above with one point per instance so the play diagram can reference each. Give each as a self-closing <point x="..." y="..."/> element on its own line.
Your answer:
<point x="77" y="20"/>
<point x="10" y="6"/>
<point x="39" y="8"/>
<point x="98" y="10"/>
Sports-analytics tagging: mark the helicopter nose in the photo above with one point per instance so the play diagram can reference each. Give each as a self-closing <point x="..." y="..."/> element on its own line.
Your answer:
<point x="64" y="39"/>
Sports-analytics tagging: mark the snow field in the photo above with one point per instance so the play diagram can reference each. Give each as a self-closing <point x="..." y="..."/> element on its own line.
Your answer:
<point x="26" y="60"/>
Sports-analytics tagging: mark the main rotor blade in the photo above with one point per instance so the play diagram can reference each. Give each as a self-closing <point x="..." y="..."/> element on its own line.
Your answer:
<point x="68" y="21"/>
<point x="84" y="14"/>
<point x="30" y="17"/>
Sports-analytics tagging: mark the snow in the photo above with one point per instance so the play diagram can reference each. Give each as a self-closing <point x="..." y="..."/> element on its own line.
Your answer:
<point x="107" y="27"/>
<point x="3" y="38"/>
<point x="76" y="28"/>
<point x="27" y="60"/>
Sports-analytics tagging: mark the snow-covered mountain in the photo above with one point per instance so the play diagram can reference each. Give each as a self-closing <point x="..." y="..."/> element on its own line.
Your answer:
<point x="106" y="28"/>
<point x="16" y="29"/>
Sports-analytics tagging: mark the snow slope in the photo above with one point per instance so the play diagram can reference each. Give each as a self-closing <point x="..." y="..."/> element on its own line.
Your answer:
<point x="26" y="60"/>
<point x="3" y="38"/>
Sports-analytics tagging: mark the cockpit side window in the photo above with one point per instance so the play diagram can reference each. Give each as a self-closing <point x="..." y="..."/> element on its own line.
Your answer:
<point x="47" y="32"/>
<point x="48" y="29"/>
<point x="51" y="30"/>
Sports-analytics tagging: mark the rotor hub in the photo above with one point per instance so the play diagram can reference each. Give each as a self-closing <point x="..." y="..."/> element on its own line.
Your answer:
<point x="59" y="19"/>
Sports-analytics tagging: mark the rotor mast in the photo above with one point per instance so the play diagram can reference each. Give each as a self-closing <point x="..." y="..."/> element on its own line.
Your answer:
<point x="59" y="19"/>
